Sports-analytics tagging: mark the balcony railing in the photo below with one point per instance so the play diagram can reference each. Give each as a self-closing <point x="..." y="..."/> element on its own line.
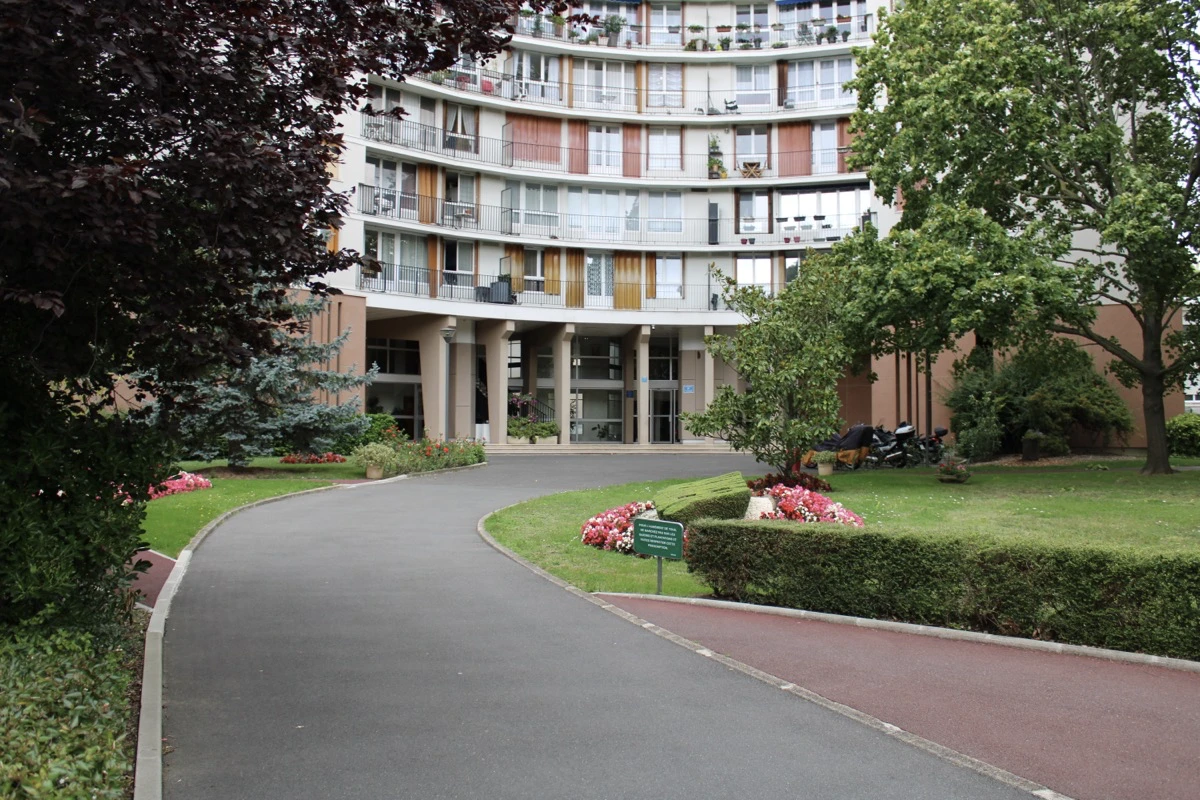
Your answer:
<point x="698" y="38"/>
<point x="649" y="101"/>
<point x="568" y="160"/>
<point x="597" y="291"/>
<point x="612" y="231"/>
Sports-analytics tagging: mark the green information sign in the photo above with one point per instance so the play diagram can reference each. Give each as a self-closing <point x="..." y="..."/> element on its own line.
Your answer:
<point x="656" y="537"/>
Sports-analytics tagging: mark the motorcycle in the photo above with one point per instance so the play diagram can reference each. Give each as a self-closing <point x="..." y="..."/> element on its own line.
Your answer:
<point x="890" y="449"/>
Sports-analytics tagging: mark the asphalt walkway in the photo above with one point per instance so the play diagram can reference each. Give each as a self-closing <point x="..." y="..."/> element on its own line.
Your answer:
<point x="367" y="644"/>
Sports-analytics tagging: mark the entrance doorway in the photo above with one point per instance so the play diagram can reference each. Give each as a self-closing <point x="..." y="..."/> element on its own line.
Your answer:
<point x="663" y="416"/>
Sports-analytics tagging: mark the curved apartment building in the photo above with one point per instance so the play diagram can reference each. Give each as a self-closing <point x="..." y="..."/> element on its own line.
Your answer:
<point x="547" y="223"/>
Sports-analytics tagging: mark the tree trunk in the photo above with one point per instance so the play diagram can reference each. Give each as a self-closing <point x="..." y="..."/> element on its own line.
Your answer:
<point x="1155" y="421"/>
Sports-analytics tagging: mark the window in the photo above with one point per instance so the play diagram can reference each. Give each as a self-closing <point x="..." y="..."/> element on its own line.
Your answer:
<point x="664" y="358"/>
<point x="754" y="271"/>
<point x="596" y="358"/>
<point x="665" y="212"/>
<point x="791" y="265"/>
<point x="382" y="98"/>
<point x="824" y="147"/>
<point x="540" y="202"/>
<point x="754" y="212"/>
<point x="604" y="148"/>
<point x="460" y="189"/>
<point x="598" y="277"/>
<point x="605" y="84"/>
<point x="596" y="415"/>
<point x="537" y="75"/>
<point x="666" y="148"/>
<point x="822" y="213"/>
<point x="663" y="18"/>
<point x="461" y="127"/>
<point x="753" y="85"/>
<point x="395" y="356"/>
<point x="665" y="86"/>
<point x="535" y="270"/>
<point x="668" y="276"/>
<point x="821" y="81"/>
<point x="402" y="401"/>
<point x="750" y="17"/>
<point x="395" y="186"/>
<point x="459" y="263"/>
<point x="751" y="144"/>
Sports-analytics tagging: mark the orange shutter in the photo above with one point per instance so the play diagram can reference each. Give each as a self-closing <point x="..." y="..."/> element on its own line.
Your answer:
<point x="627" y="279"/>
<point x="577" y="135"/>
<point x="632" y="160"/>
<point x="651" y="276"/>
<point x="575" y="278"/>
<point x="553" y="271"/>
<point x="427" y="192"/>
<point x="795" y="148"/>
<point x="843" y="142"/>
<point x="516" y="265"/>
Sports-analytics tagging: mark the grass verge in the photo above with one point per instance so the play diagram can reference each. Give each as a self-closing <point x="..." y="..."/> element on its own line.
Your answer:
<point x="171" y="522"/>
<point x="546" y="532"/>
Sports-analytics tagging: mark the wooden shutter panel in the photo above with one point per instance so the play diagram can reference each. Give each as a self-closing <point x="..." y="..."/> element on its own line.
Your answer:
<point x="515" y="254"/>
<point x="843" y="142"/>
<point x="795" y="149"/>
<point x="574" y="278"/>
<point x="553" y="271"/>
<point x="632" y="158"/>
<point x="651" y="276"/>
<point x="627" y="275"/>
<point x="427" y="192"/>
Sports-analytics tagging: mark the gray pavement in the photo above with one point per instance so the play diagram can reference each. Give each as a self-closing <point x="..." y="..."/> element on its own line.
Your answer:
<point x="367" y="644"/>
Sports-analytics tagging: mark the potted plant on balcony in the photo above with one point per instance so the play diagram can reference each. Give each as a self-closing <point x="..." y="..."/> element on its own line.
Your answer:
<point x="716" y="168"/>
<point x="613" y="25"/>
<point x="724" y="28"/>
<point x="724" y="42"/>
<point x="714" y="145"/>
<point x="846" y="35"/>
<point x="695" y="29"/>
<point x="742" y="26"/>
<point x="831" y="34"/>
<point x="559" y="22"/>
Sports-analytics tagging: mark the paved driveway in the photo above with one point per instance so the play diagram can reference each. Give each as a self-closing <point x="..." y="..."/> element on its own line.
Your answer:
<point x="366" y="644"/>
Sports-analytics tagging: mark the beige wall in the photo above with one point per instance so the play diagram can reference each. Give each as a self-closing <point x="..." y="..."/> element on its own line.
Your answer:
<point x="345" y="312"/>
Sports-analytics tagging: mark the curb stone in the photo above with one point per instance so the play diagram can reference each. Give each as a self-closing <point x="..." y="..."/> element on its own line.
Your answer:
<point x="921" y="743"/>
<point x="1165" y="662"/>
<point x="148" y="766"/>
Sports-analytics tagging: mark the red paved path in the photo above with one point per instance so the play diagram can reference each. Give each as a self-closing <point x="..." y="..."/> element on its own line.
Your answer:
<point x="150" y="582"/>
<point x="1088" y="728"/>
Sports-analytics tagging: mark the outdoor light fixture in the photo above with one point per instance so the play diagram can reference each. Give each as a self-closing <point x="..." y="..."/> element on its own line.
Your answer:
<point x="448" y="334"/>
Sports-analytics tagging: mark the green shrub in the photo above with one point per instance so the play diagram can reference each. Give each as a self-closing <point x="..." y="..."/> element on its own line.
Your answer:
<point x="427" y="455"/>
<point x="64" y="712"/>
<point x="1183" y="435"/>
<point x="723" y="497"/>
<point x="1092" y="596"/>
<point x="375" y="455"/>
<point x="380" y="428"/>
<point x="527" y="428"/>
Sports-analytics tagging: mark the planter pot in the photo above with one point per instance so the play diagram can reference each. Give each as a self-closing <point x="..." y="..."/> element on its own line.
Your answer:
<point x="1030" y="449"/>
<point x="374" y="473"/>
<point x="952" y="479"/>
<point x="824" y="470"/>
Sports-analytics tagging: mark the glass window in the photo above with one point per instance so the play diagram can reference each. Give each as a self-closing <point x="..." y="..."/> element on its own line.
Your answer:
<point x="536" y="75"/>
<point x="663" y="18"/>
<point x="664" y="86"/>
<point x="754" y="212"/>
<point x="604" y="148"/>
<point x="459" y="263"/>
<point x="754" y="271"/>
<point x="462" y="127"/>
<point x="535" y="270"/>
<point x="668" y="276"/>
<point x="810" y="212"/>
<point x="821" y="82"/>
<point x="605" y="84"/>
<point x="751" y="144"/>
<point x="824" y="148"/>
<point x="753" y="84"/>
<point x="665" y="148"/>
<point x="665" y="212"/>
<point x="395" y="356"/>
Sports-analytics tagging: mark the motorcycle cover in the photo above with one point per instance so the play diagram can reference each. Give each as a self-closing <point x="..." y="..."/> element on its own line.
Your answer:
<point x="852" y="447"/>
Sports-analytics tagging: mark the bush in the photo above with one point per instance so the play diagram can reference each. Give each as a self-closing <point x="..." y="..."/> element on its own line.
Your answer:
<point x="380" y="428"/>
<point x="375" y="455"/>
<point x="64" y="712"/>
<point x="1105" y="598"/>
<point x="1183" y="435"/>
<point x="723" y="497"/>
<point x="527" y="428"/>
<point x="426" y="455"/>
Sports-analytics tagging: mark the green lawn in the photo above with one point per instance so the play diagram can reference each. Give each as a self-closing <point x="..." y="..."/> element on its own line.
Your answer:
<point x="171" y="522"/>
<point x="1111" y="508"/>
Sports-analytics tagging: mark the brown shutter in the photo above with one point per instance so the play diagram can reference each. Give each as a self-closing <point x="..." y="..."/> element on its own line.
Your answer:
<point x="795" y="149"/>
<point x="536" y="138"/>
<point x="515" y="254"/>
<point x="843" y="142"/>
<point x="627" y="277"/>
<point x="577" y="134"/>
<point x="651" y="276"/>
<point x="427" y="192"/>
<point x="553" y="271"/>
<point x="434" y="252"/>
<point x="332" y="244"/>
<point x="781" y="70"/>
<point x="574" y="278"/>
<point x="632" y="159"/>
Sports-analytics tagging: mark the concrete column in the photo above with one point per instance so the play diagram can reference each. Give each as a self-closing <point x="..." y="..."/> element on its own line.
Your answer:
<point x="435" y="353"/>
<point x="560" y="341"/>
<point x="643" y="387"/>
<point x="708" y="377"/>
<point x="462" y="384"/>
<point x="494" y="335"/>
<point x="529" y="346"/>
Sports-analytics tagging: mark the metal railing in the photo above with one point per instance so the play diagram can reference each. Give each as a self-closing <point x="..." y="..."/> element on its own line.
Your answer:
<point x="670" y="232"/>
<point x="664" y="102"/>
<point x="594" y="291"/>
<point x="693" y="37"/>
<point x="572" y="160"/>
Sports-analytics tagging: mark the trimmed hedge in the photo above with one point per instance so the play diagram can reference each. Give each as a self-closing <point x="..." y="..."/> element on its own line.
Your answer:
<point x="723" y="497"/>
<point x="1183" y="435"/>
<point x="1114" y="598"/>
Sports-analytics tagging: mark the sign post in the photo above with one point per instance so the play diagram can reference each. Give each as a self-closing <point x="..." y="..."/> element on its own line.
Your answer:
<point x="658" y="538"/>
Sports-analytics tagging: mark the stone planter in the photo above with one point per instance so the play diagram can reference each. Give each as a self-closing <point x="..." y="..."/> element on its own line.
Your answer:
<point x="824" y="469"/>
<point x="374" y="472"/>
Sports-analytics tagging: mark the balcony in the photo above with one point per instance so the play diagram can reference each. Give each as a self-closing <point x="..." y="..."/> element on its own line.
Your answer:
<point x="647" y="102"/>
<point x="567" y="227"/>
<point x="593" y="291"/>
<point x="561" y="160"/>
<point x="694" y="38"/>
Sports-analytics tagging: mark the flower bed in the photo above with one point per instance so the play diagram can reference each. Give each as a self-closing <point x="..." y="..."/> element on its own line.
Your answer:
<point x="427" y="454"/>
<point x="312" y="458"/>
<point x="613" y="529"/>
<point x="805" y="480"/>
<point x="801" y="505"/>
<point x="183" y="482"/>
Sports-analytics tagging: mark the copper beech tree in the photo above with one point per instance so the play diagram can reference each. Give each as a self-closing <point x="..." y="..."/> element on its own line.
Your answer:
<point x="161" y="160"/>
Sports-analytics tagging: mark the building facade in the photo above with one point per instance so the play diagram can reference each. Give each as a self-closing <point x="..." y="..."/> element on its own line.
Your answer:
<point x="548" y="223"/>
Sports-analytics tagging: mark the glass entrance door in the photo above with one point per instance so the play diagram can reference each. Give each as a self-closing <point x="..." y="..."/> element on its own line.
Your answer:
<point x="663" y="408"/>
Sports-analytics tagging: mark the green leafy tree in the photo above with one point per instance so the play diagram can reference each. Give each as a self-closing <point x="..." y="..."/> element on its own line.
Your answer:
<point x="273" y="401"/>
<point x="790" y="355"/>
<point x="1069" y="128"/>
